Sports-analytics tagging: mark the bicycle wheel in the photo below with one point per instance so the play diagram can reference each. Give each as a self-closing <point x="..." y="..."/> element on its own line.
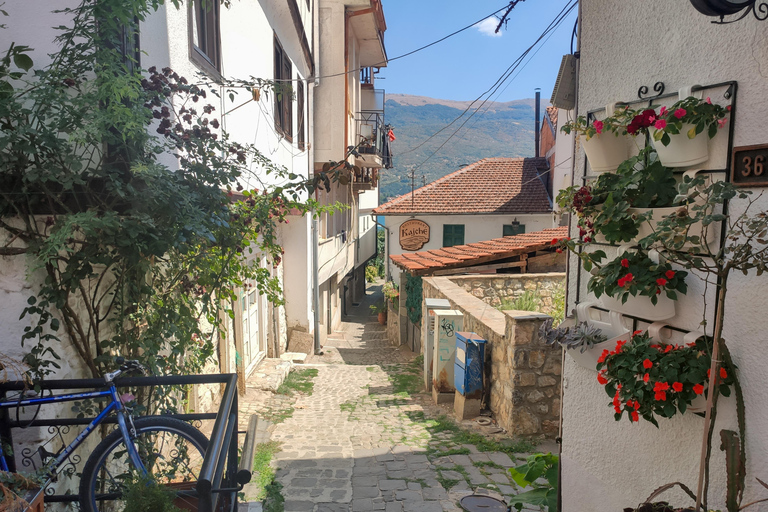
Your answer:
<point x="171" y="450"/>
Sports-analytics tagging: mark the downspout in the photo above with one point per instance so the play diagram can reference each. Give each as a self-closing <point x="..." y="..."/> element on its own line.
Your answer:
<point x="537" y="126"/>
<point x="314" y="278"/>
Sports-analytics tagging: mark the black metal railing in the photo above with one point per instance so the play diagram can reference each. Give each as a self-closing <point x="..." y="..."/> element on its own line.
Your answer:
<point x="373" y="136"/>
<point x="220" y="474"/>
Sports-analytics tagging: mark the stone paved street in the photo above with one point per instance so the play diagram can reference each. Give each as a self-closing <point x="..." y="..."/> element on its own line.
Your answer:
<point x="363" y="442"/>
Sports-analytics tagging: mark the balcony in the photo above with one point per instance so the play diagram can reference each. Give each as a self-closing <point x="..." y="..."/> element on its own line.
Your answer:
<point x="365" y="179"/>
<point x="373" y="144"/>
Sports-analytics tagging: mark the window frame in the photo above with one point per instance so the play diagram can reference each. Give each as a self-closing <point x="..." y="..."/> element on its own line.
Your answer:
<point x="202" y="57"/>
<point x="283" y="105"/>
<point x="453" y="234"/>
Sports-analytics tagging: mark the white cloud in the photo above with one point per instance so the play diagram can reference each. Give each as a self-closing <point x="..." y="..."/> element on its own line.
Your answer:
<point x="488" y="26"/>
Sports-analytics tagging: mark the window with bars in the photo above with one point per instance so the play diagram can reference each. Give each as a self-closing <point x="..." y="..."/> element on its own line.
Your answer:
<point x="300" y="137"/>
<point x="453" y="234"/>
<point x="513" y="229"/>
<point x="284" y="92"/>
<point x="205" y="40"/>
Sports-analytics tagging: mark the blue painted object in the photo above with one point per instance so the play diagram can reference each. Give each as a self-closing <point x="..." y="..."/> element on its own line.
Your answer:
<point x="469" y="367"/>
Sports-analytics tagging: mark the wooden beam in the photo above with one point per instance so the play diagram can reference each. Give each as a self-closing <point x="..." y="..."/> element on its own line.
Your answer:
<point x="463" y="270"/>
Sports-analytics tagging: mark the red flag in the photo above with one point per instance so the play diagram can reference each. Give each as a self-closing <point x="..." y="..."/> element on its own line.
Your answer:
<point x="391" y="135"/>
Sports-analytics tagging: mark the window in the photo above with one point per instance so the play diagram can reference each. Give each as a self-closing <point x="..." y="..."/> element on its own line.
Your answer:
<point x="514" y="229"/>
<point x="204" y="34"/>
<point x="284" y="94"/>
<point x="301" y="140"/>
<point x="453" y="234"/>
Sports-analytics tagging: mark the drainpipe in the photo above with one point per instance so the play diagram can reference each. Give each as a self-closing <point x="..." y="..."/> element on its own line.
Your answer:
<point x="314" y="278"/>
<point x="315" y="286"/>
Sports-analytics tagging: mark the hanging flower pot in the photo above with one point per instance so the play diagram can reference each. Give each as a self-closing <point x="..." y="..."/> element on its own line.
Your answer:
<point x="641" y="307"/>
<point x="605" y="151"/>
<point x="681" y="151"/>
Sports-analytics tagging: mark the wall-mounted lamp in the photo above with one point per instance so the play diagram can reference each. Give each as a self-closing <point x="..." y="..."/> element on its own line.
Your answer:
<point x="722" y="8"/>
<point x="515" y="223"/>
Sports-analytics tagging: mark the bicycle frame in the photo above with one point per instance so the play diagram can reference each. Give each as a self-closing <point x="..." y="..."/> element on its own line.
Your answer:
<point x="115" y="404"/>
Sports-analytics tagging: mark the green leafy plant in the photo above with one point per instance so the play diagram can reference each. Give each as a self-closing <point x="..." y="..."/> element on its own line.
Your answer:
<point x="14" y="488"/>
<point x="538" y="465"/>
<point x="582" y="335"/>
<point x="702" y="114"/>
<point x="392" y="294"/>
<point x="605" y="206"/>
<point x="143" y="494"/>
<point x="379" y="307"/>
<point x="615" y="124"/>
<point x="371" y="273"/>
<point x="647" y="379"/>
<point x="635" y="273"/>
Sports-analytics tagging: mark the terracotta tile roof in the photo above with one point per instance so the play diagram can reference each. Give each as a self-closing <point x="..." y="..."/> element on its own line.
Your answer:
<point x="491" y="185"/>
<point x="427" y="262"/>
<point x="552" y="113"/>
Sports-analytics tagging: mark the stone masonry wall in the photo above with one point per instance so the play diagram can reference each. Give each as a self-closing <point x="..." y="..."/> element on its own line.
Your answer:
<point x="494" y="289"/>
<point x="523" y="373"/>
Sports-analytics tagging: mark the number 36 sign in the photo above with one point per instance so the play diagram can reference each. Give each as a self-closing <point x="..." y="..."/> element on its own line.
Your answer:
<point x="749" y="166"/>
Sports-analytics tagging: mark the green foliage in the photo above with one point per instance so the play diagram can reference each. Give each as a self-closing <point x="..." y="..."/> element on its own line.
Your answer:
<point x="371" y="273"/>
<point x="151" y="255"/>
<point x="392" y="293"/>
<point x="299" y="381"/>
<point x="143" y="494"/>
<point x="264" y="473"/>
<point x="413" y="292"/>
<point x="15" y="486"/>
<point x="702" y="114"/>
<point x="734" y="468"/>
<point x="528" y="301"/>
<point x="542" y="495"/>
<point x="558" y="305"/>
<point x="274" y="502"/>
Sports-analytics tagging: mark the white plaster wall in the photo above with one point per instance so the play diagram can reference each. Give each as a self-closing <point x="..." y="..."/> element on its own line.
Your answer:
<point x="561" y="177"/>
<point x="608" y="465"/>
<point x="477" y="228"/>
<point x="297" y="265"/>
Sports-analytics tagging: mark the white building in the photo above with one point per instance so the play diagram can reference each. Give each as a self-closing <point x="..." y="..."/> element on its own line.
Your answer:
<point x="488" y="199"/>
<point x="625" y="46"/>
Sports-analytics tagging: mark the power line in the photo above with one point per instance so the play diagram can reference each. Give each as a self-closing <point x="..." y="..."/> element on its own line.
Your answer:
<point x="505" y="76"/>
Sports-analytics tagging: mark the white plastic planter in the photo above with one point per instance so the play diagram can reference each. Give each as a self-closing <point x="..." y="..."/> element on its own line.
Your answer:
<point x="682" y="151"/>
<point x="657" y="214"/>
<point x="613" y="328"/>
<point x="605" y="151"/>
<point x="641" y="306"/>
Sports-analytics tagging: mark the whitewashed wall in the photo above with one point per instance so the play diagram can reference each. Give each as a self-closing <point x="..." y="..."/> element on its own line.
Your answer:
<point x="477" y="228"/>
<point x="609" y="465"/>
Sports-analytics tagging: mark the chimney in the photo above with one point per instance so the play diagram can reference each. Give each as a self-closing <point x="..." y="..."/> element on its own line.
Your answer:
<point x="537" y="127"/>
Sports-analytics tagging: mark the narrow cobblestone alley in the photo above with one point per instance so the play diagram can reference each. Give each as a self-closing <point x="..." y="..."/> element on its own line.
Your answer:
<point x="366" y="439"/>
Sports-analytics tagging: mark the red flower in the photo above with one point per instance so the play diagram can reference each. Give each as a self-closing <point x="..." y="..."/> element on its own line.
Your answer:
<point x="677" y="386"/>
<point x="698" y="389"/>
<point x="723" y="373"/>
<point x="602" y="357"/>
<point x="647" y="364"/>
<point x="660" y="396"/>
<point x="636" y="333"/>
<point x="668" y="348"/>
<point x="625" y="263"/>
<point x="601" y="379"/>
<point x="670" y="274"/>
<point x="679" y="113"/>
<point x="634" y="416"/>
<point x="661" y="386"/>
<point x="661" y="281"/>
<point x="559" y="250"/>
<point x="646" y="378"/>
<point x="709" y="371"/>
<point x="555" y="241"/>
<point x="598" y="126"/>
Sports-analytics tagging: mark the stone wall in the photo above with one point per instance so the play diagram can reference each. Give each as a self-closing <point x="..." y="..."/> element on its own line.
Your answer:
<point x="494" y="289"/>
<point x="393" y="324"/>
<point x="523" y="373"/>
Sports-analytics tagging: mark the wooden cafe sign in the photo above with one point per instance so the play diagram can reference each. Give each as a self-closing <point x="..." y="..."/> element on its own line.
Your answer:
<point x="413" y="234"/>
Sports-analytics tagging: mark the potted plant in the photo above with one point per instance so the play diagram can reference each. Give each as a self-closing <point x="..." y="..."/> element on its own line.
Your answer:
<point x="674" y="130"/>
<point x="604" y="141"/>
<point x="22" y="491"/>
<point x="380" y="309"/>
<point x="647" y="379"/>
<point x="617" y="206"/>
<point x="392" y="293"/>
<point x="583" y="342"/>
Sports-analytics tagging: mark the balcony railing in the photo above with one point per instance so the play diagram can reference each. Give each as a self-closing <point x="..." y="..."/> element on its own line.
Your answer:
<point x="373" y="140"/>
<point x="365" y="179"/>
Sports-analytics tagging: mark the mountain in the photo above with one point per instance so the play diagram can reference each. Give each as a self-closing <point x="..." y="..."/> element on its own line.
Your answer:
<point x="496" y="129"/>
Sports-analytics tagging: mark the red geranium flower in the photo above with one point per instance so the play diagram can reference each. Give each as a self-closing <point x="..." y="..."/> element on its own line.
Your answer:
<point x="601" y="379"/>
<point x="661" y="386"/>
<point x="723" y="373"/>
<point x="677" y="386"/>
<point x="602" y="357"/>
<point x="661" y="281"/>
<point x="625" y="263"/>
<point x="660" y="396"/>
<point x="670" y="274"/>
<point x="647" y="364"/>
<point x="634" y="416"/>
<point x="646" y="378"/>
<point x="555" y="241"/>
<point x="698" y="389"/>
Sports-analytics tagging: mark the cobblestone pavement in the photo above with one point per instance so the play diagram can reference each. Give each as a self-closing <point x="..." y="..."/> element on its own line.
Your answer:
<point x="358" y="444"/>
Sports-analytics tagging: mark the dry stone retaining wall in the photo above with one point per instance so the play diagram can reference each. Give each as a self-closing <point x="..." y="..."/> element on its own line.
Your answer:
<point x="495" y="289"/>
<point x="523" y="373"/>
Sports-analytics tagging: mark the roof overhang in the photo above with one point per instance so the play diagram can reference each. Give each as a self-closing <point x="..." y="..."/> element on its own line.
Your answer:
<point x="367" y="26"/>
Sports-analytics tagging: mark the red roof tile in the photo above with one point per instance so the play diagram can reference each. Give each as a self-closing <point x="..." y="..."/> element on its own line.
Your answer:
<point x="458" y="256"/>
<point x="552" y="113"/>
<point x="492" y="185"/>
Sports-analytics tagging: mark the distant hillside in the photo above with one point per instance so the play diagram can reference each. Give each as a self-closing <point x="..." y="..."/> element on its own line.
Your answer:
<point x="505" y="129"/>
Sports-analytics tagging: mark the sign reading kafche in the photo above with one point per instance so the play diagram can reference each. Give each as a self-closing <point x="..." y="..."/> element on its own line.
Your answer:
<point x="413" y="235"/>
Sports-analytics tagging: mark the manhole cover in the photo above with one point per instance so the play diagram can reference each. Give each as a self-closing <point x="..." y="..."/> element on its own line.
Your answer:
<point x="480" y="503"/>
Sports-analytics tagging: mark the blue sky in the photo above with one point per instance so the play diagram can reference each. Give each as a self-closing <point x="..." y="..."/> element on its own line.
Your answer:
<point x="467" y="64"/>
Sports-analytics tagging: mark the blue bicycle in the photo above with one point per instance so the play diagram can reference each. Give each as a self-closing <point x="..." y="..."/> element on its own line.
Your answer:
<point x="169" y="450"/>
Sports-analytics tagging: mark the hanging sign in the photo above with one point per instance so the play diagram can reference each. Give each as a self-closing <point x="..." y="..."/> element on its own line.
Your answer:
<point x="749" y="167"/>
<point x="413" y="234"/>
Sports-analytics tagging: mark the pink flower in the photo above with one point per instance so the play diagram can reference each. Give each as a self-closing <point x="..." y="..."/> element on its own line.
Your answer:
<point x="721" y="122"/>
<point x="127" y="397"/>
<point x="660" y="124"/>
<point x="598" y="126"/>
<point x="662" y="111"/>
<point x="679" y="113"/>
<point x="709" y="100"/>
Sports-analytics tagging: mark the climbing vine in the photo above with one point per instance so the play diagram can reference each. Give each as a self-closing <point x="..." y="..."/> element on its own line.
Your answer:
<point x="413" y="298"/>
<point x="132" y="256"/>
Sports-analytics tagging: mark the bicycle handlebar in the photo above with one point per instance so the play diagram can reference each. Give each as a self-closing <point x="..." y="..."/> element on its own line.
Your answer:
<point x="125" y="366"/>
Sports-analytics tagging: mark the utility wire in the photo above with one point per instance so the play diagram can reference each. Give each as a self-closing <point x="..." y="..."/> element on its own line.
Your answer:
<point x="505" y="76"/>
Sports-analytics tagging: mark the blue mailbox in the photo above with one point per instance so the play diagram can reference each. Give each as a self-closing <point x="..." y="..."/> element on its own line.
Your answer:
<point x="469" y="367"/>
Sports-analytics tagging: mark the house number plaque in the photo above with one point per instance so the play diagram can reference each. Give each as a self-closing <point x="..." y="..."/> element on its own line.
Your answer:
<point x="749" y="166"/>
